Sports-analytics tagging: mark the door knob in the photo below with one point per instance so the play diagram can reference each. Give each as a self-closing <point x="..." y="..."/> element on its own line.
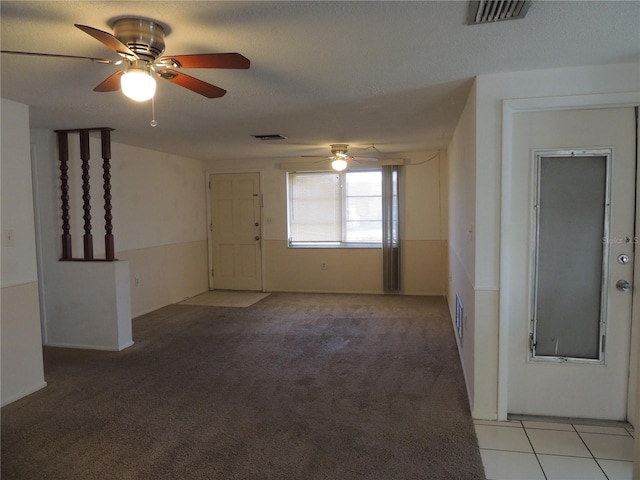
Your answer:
<point x="257" y="237"/>
<point x="623" y="285"/>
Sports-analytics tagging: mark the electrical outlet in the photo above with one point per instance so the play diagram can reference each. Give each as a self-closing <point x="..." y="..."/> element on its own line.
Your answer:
<point x="323" y="266"/>
<point x="136" y="280"/>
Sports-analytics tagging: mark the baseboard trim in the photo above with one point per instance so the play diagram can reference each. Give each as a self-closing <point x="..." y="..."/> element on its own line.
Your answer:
<point x="126" y="345"/>
<point x="356" y="292"/>
<point x="23" y="394"/>
<point x="90" y="347"/>
<point x="570" y="420"/>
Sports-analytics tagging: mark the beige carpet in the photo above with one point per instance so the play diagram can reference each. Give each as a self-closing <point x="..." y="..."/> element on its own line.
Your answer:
<point x="226" y="298"/>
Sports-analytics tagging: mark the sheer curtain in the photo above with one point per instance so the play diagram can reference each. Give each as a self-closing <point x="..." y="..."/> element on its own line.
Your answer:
<point x="390" y="229"/>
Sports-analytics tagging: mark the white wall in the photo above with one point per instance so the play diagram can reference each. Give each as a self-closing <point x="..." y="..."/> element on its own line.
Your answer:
<point x="159" y="198"/>
<point x="462" y="220"/>
<point x="18" y="260"/>
<point x="490" y="91"/>
<point x="423" y="224"/>
<point x="21" y="357"/>
<point x="160" y="225"/>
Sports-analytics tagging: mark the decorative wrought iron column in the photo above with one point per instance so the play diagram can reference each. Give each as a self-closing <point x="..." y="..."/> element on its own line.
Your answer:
<point x="85" y="155"/>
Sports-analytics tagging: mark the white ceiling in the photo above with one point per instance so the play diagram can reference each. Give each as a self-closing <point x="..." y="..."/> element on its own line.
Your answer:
<point x="394" y="74"/>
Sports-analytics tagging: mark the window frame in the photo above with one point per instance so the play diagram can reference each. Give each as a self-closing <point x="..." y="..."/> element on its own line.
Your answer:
<point x="343" y="207"/>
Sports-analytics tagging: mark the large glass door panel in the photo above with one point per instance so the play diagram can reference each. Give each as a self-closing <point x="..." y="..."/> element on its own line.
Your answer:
<point x="571" y="222"/>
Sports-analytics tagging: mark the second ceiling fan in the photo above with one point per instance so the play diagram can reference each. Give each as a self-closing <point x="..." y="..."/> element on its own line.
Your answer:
<point x="140" y="43"/>
<point x="340" y="158"/>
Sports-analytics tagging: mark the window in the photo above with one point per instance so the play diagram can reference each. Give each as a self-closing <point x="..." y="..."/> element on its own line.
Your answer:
<point x="335" y="209"/>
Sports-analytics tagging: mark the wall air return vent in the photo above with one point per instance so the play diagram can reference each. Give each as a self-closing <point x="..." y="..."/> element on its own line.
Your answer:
<point x="488" y="11"/>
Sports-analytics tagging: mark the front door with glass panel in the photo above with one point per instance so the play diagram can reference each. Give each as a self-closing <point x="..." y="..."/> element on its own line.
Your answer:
<point x="575" y="360"/>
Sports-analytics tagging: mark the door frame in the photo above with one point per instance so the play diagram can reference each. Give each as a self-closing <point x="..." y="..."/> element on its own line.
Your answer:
<point x="510" y="107"/>
<point x="207" y="185"/>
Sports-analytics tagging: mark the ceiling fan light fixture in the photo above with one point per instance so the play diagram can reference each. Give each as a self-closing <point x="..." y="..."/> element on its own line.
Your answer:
<point x="339" y="164"/>
<point x="138" y="84"/>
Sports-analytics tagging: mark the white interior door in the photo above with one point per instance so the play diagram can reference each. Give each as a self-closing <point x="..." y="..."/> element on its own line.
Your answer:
<point x="569" y="342"/>
<point x="236" y="231"/>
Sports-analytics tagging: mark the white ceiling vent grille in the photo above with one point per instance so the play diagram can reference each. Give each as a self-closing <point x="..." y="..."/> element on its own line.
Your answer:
<point x="488" y="11"/>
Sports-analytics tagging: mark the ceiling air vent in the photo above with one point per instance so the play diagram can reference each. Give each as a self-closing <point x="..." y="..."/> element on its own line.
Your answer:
<point x="488" y="11"/>
<point x="270" y="137"/>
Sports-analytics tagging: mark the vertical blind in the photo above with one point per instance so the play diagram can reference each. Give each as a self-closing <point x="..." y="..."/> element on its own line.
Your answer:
<point x="390" y="229"/>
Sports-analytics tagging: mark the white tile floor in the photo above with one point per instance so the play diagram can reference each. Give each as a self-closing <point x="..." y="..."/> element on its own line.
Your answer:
<point x="528" y="450"/>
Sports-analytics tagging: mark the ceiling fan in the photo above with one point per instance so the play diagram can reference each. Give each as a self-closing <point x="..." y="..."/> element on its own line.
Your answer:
<point x="340" y="158"/>
<point x="140" y="43"/>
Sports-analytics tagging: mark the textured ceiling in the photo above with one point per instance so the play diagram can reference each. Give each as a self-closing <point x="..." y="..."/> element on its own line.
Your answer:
<point x="393" y="74"/>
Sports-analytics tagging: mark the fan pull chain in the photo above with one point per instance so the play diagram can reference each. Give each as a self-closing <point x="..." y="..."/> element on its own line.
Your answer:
<point x="153" y="122"/>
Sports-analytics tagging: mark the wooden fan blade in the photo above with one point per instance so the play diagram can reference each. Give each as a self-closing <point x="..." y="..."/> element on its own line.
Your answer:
<point x="111" y="84"/>
<point x="56" y="55"/>
<point x="193" y="84"/>
<point x="109" y="40"/>
<point x="207" y="60"/>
